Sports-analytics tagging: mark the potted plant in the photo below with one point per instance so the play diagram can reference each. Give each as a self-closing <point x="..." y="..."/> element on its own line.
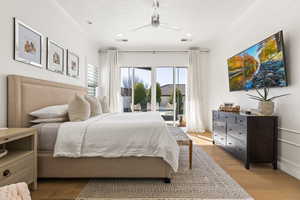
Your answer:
<point x="266" y="104"/>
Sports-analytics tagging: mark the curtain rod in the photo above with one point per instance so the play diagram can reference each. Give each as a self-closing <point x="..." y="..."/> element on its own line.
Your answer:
<point x="157" y="51"/>
<point x="160" y="51"/>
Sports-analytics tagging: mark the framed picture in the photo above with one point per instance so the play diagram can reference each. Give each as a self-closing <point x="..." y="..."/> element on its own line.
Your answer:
<point x="72" y="64"/>
<point x="55" y="57"/>
<point x="28" y="44"/>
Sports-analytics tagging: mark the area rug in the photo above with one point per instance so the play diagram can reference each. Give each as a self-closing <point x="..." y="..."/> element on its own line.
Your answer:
<point x="206" y="180"/>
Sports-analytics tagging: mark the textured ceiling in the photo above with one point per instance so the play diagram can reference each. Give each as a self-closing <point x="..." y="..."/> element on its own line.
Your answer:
<point x="204" y="19"/>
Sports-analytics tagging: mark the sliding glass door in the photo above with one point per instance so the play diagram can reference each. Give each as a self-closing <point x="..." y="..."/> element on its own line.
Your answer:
<point x="165" y="82"/>
<point x="159" y="89"/>
<point x="135" y="89"/>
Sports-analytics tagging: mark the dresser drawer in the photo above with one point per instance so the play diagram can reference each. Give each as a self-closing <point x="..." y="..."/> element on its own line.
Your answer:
<point x="236" y="147"/>
<point x="220" y="139"/>
<point x="237" y="131"/>
<point x="25" y="175"/>
<point x="219" y="127"/>
<point x="215" y="116"/>
<point x="12" y="170"/>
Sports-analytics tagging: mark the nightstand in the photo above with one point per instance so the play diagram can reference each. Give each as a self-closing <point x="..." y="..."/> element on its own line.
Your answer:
<point x="20" y="163"/>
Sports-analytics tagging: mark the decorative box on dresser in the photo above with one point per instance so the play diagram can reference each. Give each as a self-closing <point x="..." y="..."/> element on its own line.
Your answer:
<point x="250" y="138"/>
<point x="20" y="163"/>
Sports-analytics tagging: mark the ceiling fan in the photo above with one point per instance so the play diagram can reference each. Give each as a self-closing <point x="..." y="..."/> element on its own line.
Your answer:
<point x="155" y="20"/>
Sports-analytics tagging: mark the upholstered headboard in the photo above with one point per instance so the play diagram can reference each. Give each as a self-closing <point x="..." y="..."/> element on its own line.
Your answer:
<point x="28" y="94"/>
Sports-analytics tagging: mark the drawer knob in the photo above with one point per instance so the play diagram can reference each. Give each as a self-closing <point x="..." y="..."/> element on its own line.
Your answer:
<point x="240" y="133"/>
<point x="6" y="138"/>
<point x="7" y="173"/>
<point x="229" y="143"/>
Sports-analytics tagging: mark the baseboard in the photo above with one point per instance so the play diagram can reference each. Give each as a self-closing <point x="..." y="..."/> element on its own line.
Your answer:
<point x="289" y="167"/>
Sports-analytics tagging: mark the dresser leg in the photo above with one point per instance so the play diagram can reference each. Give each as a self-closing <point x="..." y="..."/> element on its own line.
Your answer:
<point x="247" y="165"/>
<point x="274" y="165"/>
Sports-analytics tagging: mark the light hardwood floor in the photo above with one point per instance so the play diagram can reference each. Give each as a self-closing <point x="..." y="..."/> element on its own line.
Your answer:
<point x="261" y="181"/>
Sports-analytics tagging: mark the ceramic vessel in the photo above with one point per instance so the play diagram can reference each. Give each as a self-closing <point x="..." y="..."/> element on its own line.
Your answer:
<point x="266" y="107"/>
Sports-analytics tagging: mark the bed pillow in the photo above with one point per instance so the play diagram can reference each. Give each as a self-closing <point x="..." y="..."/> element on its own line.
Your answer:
<point x="50" y="120"/>
<point x="79" y="109"/>
<point x="56" y="111"/>
<point x="104" y="104"/>
<point x="94" y="105"/>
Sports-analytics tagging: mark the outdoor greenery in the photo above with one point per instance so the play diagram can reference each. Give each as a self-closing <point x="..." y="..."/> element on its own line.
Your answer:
<point x="140" y="94"/>
<point x="179" y="101"/>
<point x="158" y="94"/>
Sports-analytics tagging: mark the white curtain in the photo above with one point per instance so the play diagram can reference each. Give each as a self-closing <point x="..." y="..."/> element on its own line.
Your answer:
<point x="110" y="79"/>
<point x="194" y="105"/>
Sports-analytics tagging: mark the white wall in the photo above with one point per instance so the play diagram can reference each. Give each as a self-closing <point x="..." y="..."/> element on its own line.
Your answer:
<point x="153" y="59"/>
<point x="52" y="21"/>
<point x="262" y="19"/>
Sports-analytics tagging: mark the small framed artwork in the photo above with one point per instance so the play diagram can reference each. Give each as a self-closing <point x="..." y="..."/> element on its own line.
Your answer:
<point x="55" y="57"/>
<point x="72" y="64"/>
<point x="28" y="44"/>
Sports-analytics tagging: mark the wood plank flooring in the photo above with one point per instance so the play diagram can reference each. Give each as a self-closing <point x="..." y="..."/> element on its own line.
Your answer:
<point x="261" y="181"/>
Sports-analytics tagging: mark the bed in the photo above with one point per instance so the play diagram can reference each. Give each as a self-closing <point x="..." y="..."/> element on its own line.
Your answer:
<point x="28" y="94"/>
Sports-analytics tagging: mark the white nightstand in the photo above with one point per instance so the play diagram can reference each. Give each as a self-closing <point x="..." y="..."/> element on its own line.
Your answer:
<point x="20" y="164"/>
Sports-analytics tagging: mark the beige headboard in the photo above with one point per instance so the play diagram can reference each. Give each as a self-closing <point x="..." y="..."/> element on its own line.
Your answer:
<point x="28" y="94"/>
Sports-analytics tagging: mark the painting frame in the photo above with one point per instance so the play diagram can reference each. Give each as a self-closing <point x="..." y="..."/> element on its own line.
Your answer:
<point x="70" y="64"/>
<point x="50" y="66"/>
<point x="17" y="44"/>
<point x="275" y="70"/>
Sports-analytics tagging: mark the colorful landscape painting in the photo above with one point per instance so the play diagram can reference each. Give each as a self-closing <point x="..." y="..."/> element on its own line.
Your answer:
<point x="263" y="61"/>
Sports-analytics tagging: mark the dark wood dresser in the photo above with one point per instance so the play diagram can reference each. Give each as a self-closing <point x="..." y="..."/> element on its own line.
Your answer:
<point x="249" y="138"/>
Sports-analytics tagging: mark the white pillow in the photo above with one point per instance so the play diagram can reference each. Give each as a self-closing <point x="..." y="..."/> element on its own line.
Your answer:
<point x="50" y="120"/>
<point x="104" y="104"/>
<point x="94" y="104"/>
<point x="79" y="109"/>
<point x="56" y="111"/>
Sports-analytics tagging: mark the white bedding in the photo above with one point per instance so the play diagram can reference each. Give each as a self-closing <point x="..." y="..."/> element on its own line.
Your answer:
<point x="118" y="135"/>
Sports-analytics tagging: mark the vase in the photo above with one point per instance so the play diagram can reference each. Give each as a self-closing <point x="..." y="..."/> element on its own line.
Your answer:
<point x="266" y="107"/>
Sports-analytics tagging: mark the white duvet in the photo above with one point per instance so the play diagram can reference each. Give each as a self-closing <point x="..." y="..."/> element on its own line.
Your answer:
<point x="118" y="135"/>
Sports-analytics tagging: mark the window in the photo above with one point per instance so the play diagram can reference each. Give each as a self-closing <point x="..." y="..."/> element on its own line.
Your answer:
<point x="168" y="84"/>
<point x="92" y="80"/>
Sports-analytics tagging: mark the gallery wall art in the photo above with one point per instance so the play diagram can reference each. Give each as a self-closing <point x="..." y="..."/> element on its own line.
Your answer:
<point x="72" y="64"/>
<point x="55" y="57"/>
<point x="28" y="44"/>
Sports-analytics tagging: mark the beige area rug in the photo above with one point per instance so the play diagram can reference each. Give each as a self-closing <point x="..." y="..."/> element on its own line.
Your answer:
<point x="205" y="181"/>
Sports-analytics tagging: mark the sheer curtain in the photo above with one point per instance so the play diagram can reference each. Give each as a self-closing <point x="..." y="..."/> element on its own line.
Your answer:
<point x="194" y="105"/>
<point x="110" y="79"/>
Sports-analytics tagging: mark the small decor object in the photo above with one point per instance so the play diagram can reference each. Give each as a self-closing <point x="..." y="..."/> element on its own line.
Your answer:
<point x="228" y="107"/>
<point x="182" y="122"/>
<point x="72" y="65"/>
<point x="28" y="44"/>
<point x="266" y="104"/>
<point x="55" y="57"/>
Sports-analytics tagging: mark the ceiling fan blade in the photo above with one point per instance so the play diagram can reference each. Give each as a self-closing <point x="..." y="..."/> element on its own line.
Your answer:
<point x="140" y="27"/>
<point x="166" y="26"/>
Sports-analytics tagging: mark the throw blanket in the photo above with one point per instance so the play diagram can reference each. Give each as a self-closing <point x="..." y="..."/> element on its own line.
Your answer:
<point x="17" y="191"/>
<point x="118" y="135"/>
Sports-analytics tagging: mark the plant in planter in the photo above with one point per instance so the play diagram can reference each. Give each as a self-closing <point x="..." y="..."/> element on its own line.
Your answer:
<point x="266" y="104"/>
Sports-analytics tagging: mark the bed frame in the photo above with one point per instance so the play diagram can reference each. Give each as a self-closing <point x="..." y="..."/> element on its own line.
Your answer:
<point x="28" y="94"/>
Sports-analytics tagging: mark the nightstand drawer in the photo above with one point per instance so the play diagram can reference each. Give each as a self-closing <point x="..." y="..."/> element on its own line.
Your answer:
<point x="11" y="170"/>
<point x="25" y="175"/>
